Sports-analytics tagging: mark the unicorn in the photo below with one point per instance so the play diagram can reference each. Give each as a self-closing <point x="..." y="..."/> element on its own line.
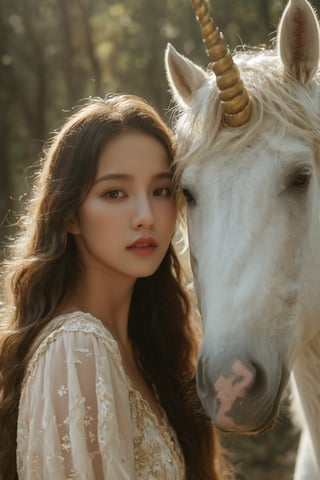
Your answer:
<point x="248" y="162"/>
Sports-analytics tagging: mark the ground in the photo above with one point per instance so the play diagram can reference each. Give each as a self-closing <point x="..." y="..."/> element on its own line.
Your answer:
<point x="270" y="456"/>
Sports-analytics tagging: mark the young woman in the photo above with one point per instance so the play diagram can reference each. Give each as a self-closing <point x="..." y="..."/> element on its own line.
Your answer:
<point x="97" y="375"/>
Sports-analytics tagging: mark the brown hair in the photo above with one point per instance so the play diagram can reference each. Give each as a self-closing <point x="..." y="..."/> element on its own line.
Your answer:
<point x="44" y="264"/>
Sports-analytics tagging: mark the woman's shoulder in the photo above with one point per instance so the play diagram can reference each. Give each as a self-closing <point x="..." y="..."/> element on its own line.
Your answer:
<point x="79" y="321"/>
<point x="73" y="331"/>
<point x="76" y="322"/>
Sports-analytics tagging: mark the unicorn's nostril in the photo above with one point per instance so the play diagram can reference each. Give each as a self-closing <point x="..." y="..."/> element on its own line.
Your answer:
<point x="259" y="381"/>
<point x="224" y="393"/>
<point x="240" y="393"/>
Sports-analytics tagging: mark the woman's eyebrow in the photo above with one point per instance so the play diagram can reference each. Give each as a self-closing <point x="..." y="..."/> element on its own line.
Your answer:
<point x="163" y="175"/>
<point x="113" y="176"/>
<point x="125" y="176"/>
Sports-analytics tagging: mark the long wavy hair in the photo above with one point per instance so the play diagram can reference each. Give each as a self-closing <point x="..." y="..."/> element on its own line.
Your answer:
<point x="44" y="264"/>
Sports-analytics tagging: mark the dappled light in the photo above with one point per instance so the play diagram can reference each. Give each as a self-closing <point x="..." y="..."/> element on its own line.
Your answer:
<point x="54" y="54"/>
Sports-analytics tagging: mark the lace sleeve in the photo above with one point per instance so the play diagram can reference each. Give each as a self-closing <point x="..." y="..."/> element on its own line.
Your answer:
<point x="74" y="418"/>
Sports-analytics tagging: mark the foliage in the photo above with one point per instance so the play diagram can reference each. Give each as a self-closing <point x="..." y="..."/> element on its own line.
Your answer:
<point x="54" y="53"/>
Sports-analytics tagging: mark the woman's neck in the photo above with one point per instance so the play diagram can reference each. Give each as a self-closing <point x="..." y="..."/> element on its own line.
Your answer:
<point x="106" y="299"/>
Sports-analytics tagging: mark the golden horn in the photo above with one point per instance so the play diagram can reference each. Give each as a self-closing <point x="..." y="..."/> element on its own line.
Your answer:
<point x="234" y="97"/>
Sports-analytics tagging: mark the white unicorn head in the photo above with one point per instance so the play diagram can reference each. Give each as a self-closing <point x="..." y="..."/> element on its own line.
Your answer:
<point x="253" y="194"/>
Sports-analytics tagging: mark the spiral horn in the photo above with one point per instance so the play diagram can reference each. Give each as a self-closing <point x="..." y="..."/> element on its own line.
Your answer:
<point x="234" y="97"/>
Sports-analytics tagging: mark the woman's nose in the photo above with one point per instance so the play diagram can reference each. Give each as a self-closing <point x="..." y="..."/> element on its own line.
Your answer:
<point x="143" y="214"/>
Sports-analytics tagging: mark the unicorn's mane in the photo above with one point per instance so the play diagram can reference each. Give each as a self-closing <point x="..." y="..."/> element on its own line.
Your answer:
<point x="277" y="99"/>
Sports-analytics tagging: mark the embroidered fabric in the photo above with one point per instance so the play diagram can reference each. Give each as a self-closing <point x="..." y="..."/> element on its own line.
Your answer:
<point x="79" y="416"/>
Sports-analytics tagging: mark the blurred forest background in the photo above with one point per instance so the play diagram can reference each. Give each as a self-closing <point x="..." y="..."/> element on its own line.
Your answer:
<point x="55" y="53"/>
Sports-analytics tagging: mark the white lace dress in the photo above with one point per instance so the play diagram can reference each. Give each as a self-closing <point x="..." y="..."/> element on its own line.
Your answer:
<point x="80" y="418"/>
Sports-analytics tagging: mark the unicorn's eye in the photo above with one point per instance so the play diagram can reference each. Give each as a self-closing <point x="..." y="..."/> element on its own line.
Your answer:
<point x="302" y="178"/>
<point x="188" y="196"/>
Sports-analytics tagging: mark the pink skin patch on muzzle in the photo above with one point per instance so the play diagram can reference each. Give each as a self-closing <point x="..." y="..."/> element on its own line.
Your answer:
<point x="230" y="389"/>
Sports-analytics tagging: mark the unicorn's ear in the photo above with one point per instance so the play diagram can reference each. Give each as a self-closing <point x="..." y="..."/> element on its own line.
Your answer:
<point x="298" y="40"/>
<point x="184" y="76"/>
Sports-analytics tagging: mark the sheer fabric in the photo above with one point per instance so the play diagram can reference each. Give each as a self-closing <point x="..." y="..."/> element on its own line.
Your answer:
<point x="80" y="418"/>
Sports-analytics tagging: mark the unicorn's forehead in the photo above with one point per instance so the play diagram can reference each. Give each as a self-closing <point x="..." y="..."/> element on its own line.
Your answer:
<point x="277" y="136"/>
<point x="291" y="150"/>
<point x="191" y="172"/>
<point x="285" y="145"/>
<point x="274" y="152"/>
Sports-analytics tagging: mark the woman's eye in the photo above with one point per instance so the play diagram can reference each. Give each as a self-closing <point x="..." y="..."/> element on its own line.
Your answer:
<point x="302" y="178"/>
<point x="163" y="192"/>
<point x="114" y="194"/>
<point x="188" y="196"/>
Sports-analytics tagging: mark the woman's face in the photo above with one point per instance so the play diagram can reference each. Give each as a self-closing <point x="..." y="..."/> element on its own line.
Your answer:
<point x="126" y="222"/>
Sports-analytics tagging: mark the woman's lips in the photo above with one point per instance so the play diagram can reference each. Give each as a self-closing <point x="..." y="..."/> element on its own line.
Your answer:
<point x="143" y="246"/>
